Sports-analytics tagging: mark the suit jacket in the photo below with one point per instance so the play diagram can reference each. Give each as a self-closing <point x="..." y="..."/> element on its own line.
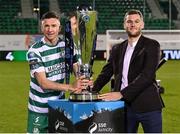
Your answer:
<point x="141" y="94"/>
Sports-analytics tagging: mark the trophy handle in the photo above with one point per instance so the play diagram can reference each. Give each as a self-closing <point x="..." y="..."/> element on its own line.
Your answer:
<point x="91" y="62"/>
<point x="69" y="51"/>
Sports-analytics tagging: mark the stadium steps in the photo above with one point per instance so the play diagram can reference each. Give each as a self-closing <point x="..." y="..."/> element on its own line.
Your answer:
<point x="165" y="6"/>
<point x="27" y="9"/>
<point x="156" y="9"/>
<point x="54" y="6"/>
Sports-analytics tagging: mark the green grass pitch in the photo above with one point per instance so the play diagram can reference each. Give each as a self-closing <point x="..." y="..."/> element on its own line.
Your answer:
<point x="14" y="88"/>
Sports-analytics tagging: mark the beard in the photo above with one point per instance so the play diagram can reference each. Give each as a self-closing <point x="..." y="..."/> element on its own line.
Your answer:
<point x="136" y="34"/>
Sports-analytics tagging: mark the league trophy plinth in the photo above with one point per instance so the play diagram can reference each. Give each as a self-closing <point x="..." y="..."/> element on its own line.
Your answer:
<point x="87" y="44"/>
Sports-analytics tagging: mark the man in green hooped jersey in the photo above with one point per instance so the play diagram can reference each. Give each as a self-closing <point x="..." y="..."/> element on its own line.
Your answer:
<point x="47" y="70"/>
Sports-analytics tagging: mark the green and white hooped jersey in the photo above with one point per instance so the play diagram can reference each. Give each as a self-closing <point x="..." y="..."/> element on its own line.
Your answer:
<point x="51" y="60"/>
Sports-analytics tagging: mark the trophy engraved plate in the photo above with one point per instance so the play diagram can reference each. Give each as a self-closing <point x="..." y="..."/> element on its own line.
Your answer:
<point x="87" y="43"/>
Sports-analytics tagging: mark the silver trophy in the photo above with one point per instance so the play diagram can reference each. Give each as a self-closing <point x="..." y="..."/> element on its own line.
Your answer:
<point x="86" y="45"/>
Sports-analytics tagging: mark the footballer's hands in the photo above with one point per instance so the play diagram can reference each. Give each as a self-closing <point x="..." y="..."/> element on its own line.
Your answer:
<point x="80" y="84"/>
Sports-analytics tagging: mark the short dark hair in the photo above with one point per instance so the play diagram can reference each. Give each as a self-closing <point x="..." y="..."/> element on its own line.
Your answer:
<point x="50" y="14"/>
<point x="72" y="14"/>
<point x="133" y="11"/>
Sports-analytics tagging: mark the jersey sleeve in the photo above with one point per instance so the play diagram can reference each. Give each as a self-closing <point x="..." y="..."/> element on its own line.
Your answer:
<point x="35" y="61"/>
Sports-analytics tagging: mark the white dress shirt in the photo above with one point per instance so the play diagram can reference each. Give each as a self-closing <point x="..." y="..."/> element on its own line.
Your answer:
<point x="127" y="59"/>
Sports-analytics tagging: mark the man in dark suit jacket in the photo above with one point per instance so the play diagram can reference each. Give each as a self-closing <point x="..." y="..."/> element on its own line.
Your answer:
<point x="133" y="64"/>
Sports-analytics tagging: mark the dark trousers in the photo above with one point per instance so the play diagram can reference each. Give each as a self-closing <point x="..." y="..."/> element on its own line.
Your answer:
<point x="150" y="121"/>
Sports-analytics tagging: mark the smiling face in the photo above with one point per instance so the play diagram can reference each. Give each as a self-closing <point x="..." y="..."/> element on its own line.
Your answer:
<point x="51" y="28"/>
<point x="133" y="24"/>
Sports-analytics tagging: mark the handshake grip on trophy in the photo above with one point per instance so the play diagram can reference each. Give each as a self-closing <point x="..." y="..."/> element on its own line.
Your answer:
<point x="86" y="46"/>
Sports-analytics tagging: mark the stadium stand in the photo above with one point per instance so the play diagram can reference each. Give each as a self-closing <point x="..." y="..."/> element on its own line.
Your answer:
<point x="11" y="21"/>
<point x="110" y="14"/>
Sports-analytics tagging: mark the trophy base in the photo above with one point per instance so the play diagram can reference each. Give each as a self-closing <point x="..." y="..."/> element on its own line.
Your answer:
<point x="84" y="97"/>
